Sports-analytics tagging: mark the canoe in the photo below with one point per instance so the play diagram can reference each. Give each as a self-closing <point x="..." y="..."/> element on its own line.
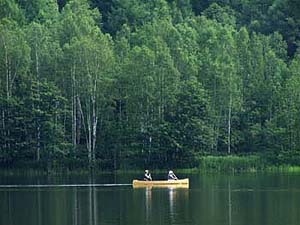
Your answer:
<point x="182" y="183"/>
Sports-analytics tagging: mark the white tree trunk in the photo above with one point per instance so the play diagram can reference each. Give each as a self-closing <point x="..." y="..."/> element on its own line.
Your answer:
<point x="6" y="132"/>
<point x="74" y="106"/>
<point x="89" y="141"/>
<point x="38" y="151"/>
<point x="95" y="120"/>
<point x="229" y="125"/>
<point x="7" y="72"/>
<point x="83" y="121"/>
<point x="3" y="127"/>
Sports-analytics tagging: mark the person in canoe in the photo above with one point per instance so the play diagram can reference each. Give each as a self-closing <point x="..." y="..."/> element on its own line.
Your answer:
<point x="147" y="176"/>
<point x="172" y="176"/>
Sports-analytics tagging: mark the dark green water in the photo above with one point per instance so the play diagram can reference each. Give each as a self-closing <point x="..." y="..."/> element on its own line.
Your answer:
<point x="246" y="199"/>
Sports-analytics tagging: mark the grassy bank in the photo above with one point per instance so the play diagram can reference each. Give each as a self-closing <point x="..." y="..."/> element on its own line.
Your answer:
<point x="231" y="163"/>
<point x="249" y="163"/>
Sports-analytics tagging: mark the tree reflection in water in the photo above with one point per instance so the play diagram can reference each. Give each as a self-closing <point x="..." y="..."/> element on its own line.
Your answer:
<point x="229" y="204"/>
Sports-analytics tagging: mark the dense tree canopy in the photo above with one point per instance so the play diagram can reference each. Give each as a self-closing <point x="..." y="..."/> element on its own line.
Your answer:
<point x="134" y="83"/>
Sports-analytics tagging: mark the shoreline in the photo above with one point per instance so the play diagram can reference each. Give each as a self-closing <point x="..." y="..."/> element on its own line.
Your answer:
<point x="206" y="164"/>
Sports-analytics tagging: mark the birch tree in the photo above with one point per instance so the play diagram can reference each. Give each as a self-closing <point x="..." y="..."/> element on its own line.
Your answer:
<point x="14" y="58"/>
<point x="90" y="57"/>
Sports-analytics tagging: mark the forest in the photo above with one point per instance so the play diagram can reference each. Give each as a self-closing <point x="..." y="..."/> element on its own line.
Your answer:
<point x="115" y="84"/>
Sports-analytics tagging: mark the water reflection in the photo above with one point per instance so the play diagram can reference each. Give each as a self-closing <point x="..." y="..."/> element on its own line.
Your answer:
<point x="229" y="204"/>
<point x="9" y="208"/>
<point x="39" y="214"/>
<point x="178" y="199"/>
<point x="148" y="205"/>
<point x="75" y="207"/>
<point x="272" y="200"/>
<point x="172" y="202"/>
<point x="165" y="205"/>
<point x="92" y="203"/>
<point x="87" y="214"/>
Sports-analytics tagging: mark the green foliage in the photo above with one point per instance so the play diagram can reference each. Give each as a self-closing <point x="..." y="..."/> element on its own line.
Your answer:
<point x="10" y="9"/>
<point x="223" y="15"/>
<point x="38" y="10"/>
<point x="22" y="117"/>
<point x="46" y="108"/>
<point x="189" y="120"/>
<point x="77" y="19"/>
<point x="138" y="83"/>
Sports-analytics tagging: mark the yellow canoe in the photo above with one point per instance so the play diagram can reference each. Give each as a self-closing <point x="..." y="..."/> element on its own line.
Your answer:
<point x="182" y="183"/>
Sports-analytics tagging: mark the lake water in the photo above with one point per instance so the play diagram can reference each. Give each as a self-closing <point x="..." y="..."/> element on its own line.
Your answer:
<point x="243" y="199"/>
